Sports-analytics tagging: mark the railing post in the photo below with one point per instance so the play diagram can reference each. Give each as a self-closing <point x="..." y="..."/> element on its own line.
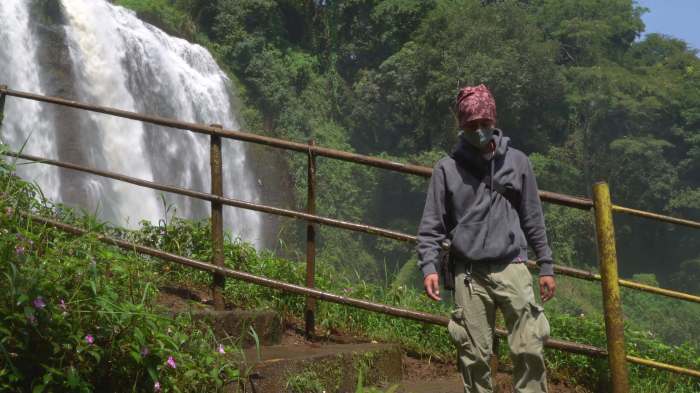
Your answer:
<point x="217" y="220"/>
<point x="310" y="309"/>
<point x="2" y="103"/>
<point x="607" y="258"/>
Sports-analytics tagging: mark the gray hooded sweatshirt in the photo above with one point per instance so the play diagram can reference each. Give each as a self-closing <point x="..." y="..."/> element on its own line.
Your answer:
<point x="470" y="207"/>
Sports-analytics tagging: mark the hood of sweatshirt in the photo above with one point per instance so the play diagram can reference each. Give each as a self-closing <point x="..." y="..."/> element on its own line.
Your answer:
<point x="467" y="152"/>
<point x="467" y="203"/>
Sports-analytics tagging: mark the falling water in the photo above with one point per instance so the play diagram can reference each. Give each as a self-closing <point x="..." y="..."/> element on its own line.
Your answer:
<point x="25" y="125"/>
<point x="117" y="60"/>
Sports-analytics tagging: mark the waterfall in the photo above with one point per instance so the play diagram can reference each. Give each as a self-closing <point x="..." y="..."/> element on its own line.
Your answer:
<point x="25" y="121"/>
<point x="119" y="61"/>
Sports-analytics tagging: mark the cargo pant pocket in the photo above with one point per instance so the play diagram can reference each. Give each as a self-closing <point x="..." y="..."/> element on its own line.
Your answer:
<point x="456" y="329"/>
<point x="540" y="322"/>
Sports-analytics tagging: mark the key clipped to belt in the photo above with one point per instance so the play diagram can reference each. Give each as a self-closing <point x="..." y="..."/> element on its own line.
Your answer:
<point x="468" y="279"/>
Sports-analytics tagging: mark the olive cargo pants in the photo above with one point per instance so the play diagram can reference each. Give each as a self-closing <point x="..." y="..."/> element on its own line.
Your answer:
<point x="507" y="286"/>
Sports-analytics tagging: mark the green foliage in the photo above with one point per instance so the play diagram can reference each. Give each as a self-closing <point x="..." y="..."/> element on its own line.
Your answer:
<point x="165" y="14"/>
<point x="589" y="31"/>
<point x="304" y="382"/>
<point x="78" y="315"/>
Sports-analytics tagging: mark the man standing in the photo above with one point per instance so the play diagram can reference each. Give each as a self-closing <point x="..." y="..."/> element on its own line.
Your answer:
<point x="483" y="202"/>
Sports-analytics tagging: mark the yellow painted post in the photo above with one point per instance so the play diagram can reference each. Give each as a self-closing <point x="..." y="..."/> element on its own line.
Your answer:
<point x="217" y="220"/>
<point x="612" y="308"/>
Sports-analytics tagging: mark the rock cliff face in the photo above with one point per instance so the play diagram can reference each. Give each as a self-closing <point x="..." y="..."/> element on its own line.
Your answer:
<point x="93" y="51"/>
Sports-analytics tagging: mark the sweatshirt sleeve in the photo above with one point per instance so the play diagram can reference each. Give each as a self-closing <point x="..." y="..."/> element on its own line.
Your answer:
<point x="432" y="230"/>
<point x="532" y="221"/>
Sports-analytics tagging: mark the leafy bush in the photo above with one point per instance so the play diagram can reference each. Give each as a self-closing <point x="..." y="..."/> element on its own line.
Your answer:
<point x="164" y="14"/>
<point x="77" y="315"/>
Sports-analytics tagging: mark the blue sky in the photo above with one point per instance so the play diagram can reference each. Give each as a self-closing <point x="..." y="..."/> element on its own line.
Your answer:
<point x="677" y="18"/>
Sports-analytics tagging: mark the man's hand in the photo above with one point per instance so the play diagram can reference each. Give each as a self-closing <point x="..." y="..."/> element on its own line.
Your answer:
<point x="432" y="286"/>
<point x="547" y="286"/>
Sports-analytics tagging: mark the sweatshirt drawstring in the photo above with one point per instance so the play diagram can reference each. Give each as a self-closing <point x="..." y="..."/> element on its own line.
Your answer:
<point x="488" y="214"/>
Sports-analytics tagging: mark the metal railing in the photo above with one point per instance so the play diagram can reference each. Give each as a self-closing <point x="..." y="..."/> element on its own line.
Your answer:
<point x="604" y="230"/>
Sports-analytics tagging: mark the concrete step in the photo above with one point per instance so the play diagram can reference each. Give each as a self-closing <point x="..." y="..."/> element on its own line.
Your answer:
<point x="329" y="368"/>
<point x="231" y="325"/>
<point x="448" y="384"/>
<point x="236" y="325"/>
<point x="503" y="383"/>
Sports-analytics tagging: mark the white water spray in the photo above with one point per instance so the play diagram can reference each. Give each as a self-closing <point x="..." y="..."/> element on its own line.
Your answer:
<point x="119" y="61"/>
<point x="25" y="121"/>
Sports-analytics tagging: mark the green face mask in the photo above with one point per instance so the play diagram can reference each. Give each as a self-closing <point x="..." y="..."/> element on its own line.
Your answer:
<point x="479" y="138"/>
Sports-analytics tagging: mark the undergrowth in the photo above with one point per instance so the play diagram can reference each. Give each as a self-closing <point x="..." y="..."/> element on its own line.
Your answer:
<point x="77" y="315"/>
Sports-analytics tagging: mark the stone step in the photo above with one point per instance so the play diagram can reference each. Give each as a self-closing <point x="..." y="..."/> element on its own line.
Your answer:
<point x="503" y="383"/>
<point x="236" y="325"/>
<point x="448" y="384"/>
<point x="232" y="325"/>
<point x="330" y="368"/>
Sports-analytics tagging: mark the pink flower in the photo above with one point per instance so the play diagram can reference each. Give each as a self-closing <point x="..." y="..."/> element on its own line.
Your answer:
<point x="39" y="302"/>
<point x="156" y="387"/>
<point x="62" y="305"/>
<point x="89" y="339"/>
<point x="9" y="211"/>
<point x="221" y="349"/>
<point x="19" y="250"/>
<point x="32" y="320"/>
<point x="145" y="351"/>
<point x="171" y="362"/>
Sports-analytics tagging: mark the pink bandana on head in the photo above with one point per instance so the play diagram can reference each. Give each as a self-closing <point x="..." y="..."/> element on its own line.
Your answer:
<point x="475" y="103"/>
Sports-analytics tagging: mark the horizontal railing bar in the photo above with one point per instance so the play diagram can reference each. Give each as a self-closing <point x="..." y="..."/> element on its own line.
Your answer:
<point x="566" y="200"/>
<point x="590" y="276"/>
<point x="663" y="366"/>
<point x="563" y="345"/>
<point x="267" y="282"/>
<point x="564" y="270"/>
<point x="238" y="135"/>
<point x="655" y="216"/>
<point x="419" y="170"/>
<point x="659" y="291"/>
<point x="582" y="349"/>
<point x="568" y="271"/>
<point x="226" y="201"/>
<point x="548" y="196"/>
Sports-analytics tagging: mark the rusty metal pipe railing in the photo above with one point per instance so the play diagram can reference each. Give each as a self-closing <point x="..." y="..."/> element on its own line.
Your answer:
<point x="576" y="348"/>
<point x="2" y="103"/>
<point x="663" y="366"/>
<point x="418" y="170"/>
<point x="226" y="201"/>
<point x="562" y="345"/>
<point x="563" y="270"/>
<point x="590" y="276"/>
<point x="238" y="135"/>
<point x="310" y="306"/>
<point x="217" y="219"/>
<point x="655" y="216"/>
<point x="548" y="196"/>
